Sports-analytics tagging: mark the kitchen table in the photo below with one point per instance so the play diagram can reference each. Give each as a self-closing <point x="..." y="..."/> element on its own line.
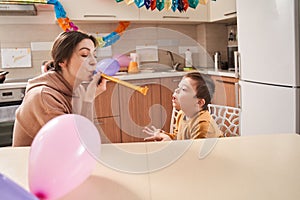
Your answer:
<point x="252" y="167"/>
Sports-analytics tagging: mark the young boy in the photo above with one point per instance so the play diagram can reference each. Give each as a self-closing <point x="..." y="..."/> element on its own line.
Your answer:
<point x="193" y="94"/>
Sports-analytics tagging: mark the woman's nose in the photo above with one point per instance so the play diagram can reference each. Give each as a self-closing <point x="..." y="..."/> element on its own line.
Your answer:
<point x="92" y="60"/>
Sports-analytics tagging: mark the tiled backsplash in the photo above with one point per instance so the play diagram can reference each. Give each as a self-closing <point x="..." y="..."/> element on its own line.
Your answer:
<point x="207" y="37"/>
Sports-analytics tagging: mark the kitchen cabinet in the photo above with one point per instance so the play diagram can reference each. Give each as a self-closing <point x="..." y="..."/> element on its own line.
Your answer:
<point x="95" y="10"/>
<point x="226" y="91"/>
<point x="122" y="113"/>
<point x="107" y="113"/>
<point x="138" y="110"/>
<point x="110" y="10"/>
<point x="109" y="130"/>
<point x="220" y="10"/>
<point x="200" y="14"/>
<point x="107" y="103"/>
<point x="168" y="85"/>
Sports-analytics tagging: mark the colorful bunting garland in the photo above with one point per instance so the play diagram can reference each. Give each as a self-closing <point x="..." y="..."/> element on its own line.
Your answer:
<point x="180" y="5"/>
<point x="65" y="23"/>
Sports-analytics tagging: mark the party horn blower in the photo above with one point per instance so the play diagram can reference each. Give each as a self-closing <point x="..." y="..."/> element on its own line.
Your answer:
<point x="140" y="89"/>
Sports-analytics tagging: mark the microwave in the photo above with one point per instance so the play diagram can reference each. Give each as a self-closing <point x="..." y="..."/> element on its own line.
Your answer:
<point x="230" y="54"/>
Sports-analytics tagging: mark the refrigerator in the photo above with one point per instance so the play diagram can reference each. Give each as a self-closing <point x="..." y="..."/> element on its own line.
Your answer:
<point x="268" y="39"/>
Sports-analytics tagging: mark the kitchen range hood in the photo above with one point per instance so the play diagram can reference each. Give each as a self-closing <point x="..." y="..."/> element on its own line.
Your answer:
<point x="18" y="10"/>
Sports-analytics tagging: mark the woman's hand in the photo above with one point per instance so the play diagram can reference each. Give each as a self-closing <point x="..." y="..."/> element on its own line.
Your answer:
<point x="96" y="87"/>
<point x="156" y="134"/>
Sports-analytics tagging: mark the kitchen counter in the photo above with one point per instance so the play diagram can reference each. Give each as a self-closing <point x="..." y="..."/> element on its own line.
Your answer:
<point x="163" y="74"/>
<point x="226" y="73"/>
<point x="4" y="86"/>
<point x="136" y="76"/>
<point x="249" y="167"/>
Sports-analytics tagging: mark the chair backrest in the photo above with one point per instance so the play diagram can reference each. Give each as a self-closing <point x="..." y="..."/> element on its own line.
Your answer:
<point x="173" y="119"/>
<point x="227" y="118"/>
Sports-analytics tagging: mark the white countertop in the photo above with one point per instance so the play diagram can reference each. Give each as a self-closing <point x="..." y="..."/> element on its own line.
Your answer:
<point x="250" y="167"/>
<point x="220" y="73"/>
<point x="145" y="75"/>
<point x="13" y="85"/>
<point x="141" y="75"/>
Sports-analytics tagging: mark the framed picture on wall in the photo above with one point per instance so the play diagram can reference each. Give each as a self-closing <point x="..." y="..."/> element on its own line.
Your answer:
<point x="16" y="57"/>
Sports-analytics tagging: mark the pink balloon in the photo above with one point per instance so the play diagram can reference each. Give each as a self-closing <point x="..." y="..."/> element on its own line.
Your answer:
<point x="61" y="155"/>
<point x="123" y="60"/>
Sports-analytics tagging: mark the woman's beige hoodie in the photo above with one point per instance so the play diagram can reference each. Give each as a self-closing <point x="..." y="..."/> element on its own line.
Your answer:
<point x="46" y="97"/>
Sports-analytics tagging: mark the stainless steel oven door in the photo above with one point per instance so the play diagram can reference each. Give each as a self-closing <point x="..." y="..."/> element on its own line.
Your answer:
<point x="7" y="118"/>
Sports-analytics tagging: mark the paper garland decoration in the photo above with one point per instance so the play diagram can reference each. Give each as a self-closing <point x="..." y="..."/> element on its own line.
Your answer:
<point x="23" y="1"/>
<point x="180" y="5"/>
<point x="65" y="23"/>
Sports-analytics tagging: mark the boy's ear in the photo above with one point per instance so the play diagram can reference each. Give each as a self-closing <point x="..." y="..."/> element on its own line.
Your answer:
<point x="201" y="102"/>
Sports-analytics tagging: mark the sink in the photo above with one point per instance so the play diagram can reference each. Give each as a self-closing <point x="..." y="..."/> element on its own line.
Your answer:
<point x="168" y="71"/>
<point x="155" y="67"/>
<point x="147" y="70"/>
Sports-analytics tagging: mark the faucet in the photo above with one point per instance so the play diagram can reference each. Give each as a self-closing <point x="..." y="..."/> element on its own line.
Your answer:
<point x="175" y="65"/>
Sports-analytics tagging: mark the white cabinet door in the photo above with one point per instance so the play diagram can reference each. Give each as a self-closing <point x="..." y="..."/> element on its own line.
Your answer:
<point x="222" y="9"/>
<point x="99" y="10"/>
<point x="200" y="14"/>
<point x="268" y="43"/>
<point x="268" y="109"/>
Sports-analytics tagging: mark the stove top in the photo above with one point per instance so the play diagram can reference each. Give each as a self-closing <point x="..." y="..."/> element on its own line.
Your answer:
<point x="12" y="92"/>
<point x="5" y="86"/>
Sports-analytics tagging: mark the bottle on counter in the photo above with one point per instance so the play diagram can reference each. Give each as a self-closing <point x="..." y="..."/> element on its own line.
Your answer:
<point x="188" y="60"/>
<point x="217" y="60"/>
<point x="133" y="66"/>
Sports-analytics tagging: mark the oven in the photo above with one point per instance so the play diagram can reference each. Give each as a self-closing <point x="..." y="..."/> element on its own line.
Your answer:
<point x="10" y="99"/>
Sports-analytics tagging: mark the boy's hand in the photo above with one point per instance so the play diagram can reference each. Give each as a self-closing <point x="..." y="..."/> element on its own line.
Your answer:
<point x="156" y="134"/>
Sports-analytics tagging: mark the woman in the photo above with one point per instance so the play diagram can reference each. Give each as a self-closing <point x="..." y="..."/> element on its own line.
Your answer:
<point x="193" y="121"/>
<point x="60" y="91"/>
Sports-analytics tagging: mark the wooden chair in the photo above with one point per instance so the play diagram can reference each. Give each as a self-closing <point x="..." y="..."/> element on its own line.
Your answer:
<point x="227" y="118"/>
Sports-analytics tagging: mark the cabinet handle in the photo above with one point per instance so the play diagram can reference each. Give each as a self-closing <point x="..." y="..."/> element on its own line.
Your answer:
<point x="230" y="13"/>
<point x="240" y="93"/>
<point x="176" y="80"/>
<point x="236" y="64"/>
<point x="148" y="83"/>
<point x="175" y="17"/>
<point x="99" y="122"/>
<point x="236" y="90"/>
<point x="228" y="82"/>
<point x="104" y="16"/>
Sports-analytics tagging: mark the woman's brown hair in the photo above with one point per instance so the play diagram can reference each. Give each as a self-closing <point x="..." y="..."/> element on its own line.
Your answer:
<point x="64" y="46"/>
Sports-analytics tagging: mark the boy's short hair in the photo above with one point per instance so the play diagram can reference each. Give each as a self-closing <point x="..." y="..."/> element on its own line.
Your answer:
<point x="205" y="87"/>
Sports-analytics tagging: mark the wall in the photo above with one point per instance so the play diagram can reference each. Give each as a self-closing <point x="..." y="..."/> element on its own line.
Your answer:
<point x="166" y="36"/>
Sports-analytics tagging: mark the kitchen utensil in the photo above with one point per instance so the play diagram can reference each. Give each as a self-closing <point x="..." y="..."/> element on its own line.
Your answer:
<point x="3" y="76"/>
